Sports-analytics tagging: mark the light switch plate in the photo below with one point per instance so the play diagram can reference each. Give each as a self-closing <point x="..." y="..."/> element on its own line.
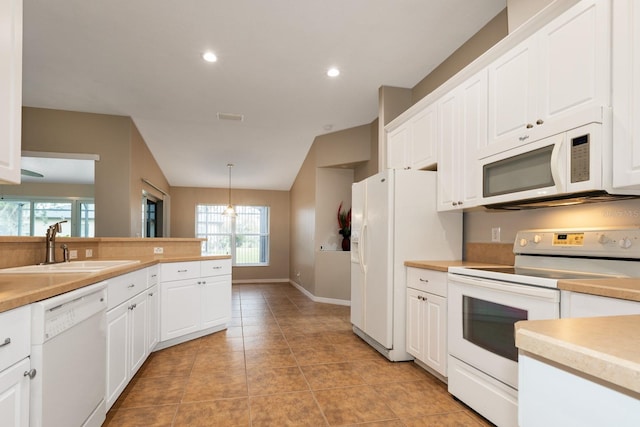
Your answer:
<point x="495" y="234"/>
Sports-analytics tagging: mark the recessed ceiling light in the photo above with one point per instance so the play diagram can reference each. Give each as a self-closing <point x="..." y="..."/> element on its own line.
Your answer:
<point x="333" y="72"/>
<point x="209" y="57"/>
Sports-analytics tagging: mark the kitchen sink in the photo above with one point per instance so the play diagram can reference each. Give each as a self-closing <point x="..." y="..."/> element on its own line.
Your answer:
<point x="70" y="267"/>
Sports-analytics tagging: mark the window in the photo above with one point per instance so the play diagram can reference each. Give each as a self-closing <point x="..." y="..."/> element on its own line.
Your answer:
<point x="32" y="217"/>
<point x="245" y="237"/>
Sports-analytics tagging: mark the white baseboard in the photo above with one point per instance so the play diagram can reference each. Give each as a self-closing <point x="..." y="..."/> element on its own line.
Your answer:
<point x="320" y="299"/>
<point x="250" y="281"/>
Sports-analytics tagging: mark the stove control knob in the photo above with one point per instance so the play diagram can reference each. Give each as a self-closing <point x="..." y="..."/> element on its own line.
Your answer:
<point x="625" y="243"/>
<point x="537" y="238"/>
<point x="603" y="239"/>
<point x="523" y="242"/>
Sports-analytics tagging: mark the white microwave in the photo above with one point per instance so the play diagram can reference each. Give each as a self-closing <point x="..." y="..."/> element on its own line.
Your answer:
<point x="568" y="165"/>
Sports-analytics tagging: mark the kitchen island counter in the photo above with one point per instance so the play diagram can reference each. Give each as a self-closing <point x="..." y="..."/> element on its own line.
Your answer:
<point x="17" y="290"/>
<point x="605" y="348"/>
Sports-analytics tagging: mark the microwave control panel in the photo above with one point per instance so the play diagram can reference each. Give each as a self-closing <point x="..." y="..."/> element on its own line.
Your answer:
<point x="580" y="147"/>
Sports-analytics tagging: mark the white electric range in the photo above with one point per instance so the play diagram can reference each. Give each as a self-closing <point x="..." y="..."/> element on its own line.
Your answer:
<point x="485" y="303"/>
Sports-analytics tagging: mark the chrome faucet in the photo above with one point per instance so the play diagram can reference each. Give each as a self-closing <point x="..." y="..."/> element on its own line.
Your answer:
<point x="50" y="257"/>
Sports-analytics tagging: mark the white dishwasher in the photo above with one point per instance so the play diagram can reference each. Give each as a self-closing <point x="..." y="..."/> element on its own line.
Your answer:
<point x="68" y="351"/>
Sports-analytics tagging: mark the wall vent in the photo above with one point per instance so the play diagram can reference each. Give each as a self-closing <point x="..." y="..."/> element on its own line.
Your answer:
<point x="231" y="116"/>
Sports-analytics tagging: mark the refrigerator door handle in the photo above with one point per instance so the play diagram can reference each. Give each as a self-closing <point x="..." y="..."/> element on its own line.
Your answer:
<point x="361" y="248"/>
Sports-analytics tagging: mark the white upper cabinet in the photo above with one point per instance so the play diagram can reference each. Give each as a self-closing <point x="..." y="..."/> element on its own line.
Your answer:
<point x="413" y="144"/>
<point x="462" y="133"/>
<point x="626" y="94"/>
<point x="553" y="81"/>
<point x="10" y="89"/>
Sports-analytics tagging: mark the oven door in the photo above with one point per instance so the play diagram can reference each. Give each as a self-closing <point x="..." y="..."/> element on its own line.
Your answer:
<point x="482" y="314"/>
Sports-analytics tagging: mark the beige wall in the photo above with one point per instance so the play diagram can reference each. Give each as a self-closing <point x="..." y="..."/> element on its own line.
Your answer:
<point x="183" y="224"/>
<point x="143" y="165"/>
<point x="303" y="220"/>
<point x="622" y="213"/>
<point x="112" y="138"/>
<point x="520" y="11"/>
<point x="48" y="190"/>
<point x="484" y="39"/>
<point x="350" y="149"/>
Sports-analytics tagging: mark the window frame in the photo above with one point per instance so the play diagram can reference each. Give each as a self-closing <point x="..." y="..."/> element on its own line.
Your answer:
<point x="75" y="221"/>
<point x="264" y="237"/>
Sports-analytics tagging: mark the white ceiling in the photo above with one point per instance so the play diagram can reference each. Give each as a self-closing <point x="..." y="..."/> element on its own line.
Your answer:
<point x="142" y="59"/>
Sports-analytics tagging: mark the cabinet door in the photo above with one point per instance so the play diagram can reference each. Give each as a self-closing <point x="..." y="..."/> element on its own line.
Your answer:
<point x="626" y="95"/>
<point x="473" y="138"/>
<point x="117" y="352"/>
<point x="448" y="151"/>
<point x="397" y="143"/>
<point x="512" y="90"/>
<point x="138" y="350"/>
<point x="216" y="301"/>
<point x="414" y="323"/>
<point x="424" y="138"/>
<point x="10" y="89"/>
<point x="574" y="60"/>
<point x="180" y="306"/>
<point x="14" y="395"/>
<point x="153" y="318"/>
<point x="435" y="333"/>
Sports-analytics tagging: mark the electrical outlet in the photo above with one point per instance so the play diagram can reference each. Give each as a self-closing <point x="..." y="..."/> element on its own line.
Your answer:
<point x="73" y="254"/>
<point x="88" y="253"/>
<point x="495" y="234"/>
<point x="158" y="250"/>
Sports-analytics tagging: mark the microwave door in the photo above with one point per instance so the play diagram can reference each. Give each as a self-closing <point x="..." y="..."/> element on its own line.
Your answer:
<point x="533" y="170"/>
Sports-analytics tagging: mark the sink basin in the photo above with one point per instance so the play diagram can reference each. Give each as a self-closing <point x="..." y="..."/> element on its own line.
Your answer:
<point x="70" y="267"/>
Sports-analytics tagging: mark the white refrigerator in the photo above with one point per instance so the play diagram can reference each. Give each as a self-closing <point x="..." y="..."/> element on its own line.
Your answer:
<point x="394" y="219"/>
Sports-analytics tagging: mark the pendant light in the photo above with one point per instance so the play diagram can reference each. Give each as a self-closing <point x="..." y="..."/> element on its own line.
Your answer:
<point x="229" y="211"/>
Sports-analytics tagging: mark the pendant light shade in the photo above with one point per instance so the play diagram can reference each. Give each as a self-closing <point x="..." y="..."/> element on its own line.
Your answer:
<point x="229" y="211"/>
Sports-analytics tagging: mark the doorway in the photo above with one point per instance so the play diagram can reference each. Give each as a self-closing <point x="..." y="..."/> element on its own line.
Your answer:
<point x="152" y="218"/>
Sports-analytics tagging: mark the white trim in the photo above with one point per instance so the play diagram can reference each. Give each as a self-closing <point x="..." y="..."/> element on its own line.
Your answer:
<point x="320" y="299"/>
<point x="258" y="281"/>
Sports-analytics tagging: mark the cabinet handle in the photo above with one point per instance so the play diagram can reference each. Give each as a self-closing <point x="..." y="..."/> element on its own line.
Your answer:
<point x="131" y="286"/>
<point x="424" y="280"/>
<point x="7" y="341"/>
<point x="150" y="294"/>
<point x="154" y="276"/>
<point x="31" y="373"/>
<point x="132" y="306"/>
<point x="217" y="267"/>
<point x="529" y="126"/>
<point x="539" y="121"/>
<point x="182" y="271"/>
<point x="454" y="203"/>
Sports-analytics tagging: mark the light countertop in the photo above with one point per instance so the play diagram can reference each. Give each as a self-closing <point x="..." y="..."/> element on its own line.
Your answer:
<point x="607" y="348"/>
<point x="444" y="265"/>
<point x="628" y="289"/>
<point x="21" y="289"/>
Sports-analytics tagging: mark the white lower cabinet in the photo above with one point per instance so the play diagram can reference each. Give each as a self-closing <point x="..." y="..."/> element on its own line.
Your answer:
<point x="15" y="367"/>
<point x="127" y="331"/>
<point x="195" y="296"/>
<point x="427" y="318"/>
<point x="14" y="395"/>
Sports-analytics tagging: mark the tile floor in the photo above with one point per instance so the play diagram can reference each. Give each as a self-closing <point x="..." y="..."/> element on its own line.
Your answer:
<point x="284" y="361"/>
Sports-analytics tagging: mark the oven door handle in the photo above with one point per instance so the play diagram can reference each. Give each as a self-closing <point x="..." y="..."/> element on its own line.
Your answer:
<point x="552" y="295"/>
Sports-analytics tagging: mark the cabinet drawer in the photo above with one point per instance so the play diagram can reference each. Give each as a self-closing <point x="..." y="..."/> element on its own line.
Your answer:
<point x="153" y="274"/>
<point x="179" y="270"/>
<point x="431" y="281"/>
<point x="15" y="335"/>
<point x="121" y="288"/>
<point x="215" y="267"/>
